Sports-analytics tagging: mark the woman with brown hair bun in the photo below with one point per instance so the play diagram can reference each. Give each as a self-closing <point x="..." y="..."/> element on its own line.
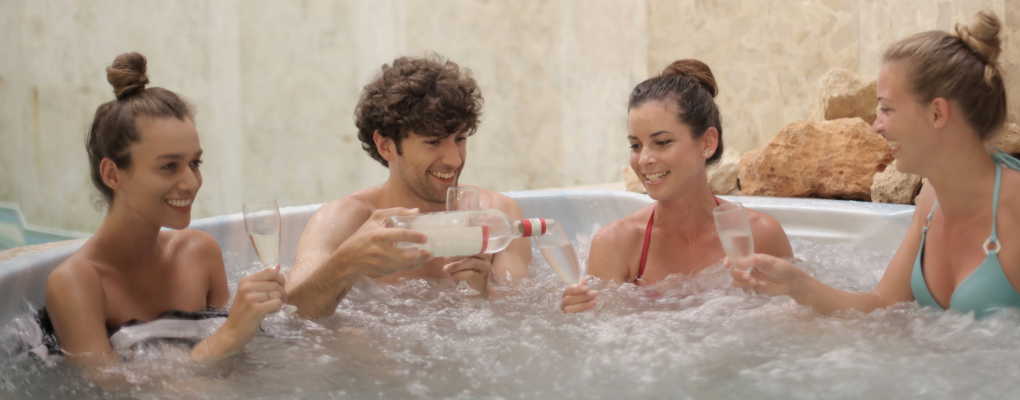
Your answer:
<point x="941" y="96"/>
<point x="144" y="157"/>
<point x="675" y="131"/>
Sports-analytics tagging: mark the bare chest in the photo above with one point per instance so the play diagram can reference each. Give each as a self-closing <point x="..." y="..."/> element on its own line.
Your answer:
<point x="669" y="255"/>
<point x="144" y="296"/>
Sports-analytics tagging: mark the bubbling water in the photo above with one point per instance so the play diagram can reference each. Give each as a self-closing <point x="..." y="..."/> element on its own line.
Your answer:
<point x="681" y="338"/>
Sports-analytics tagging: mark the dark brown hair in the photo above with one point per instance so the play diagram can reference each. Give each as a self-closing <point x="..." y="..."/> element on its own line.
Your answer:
<point x="427" y="96"/>
<point x="690" y="85"/>
<point x="113" y="129"/>
<point x="962" y="67"/>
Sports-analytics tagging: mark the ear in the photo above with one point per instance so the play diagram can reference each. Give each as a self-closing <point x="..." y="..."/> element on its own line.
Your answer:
<point x="940" y="112"/>
<point x="110" y="173"/>
<point x="386" y="146"/>
<point x="710" y="141"/>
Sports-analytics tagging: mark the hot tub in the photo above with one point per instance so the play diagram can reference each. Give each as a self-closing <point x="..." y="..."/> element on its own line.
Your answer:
<point x="682" y="338"/>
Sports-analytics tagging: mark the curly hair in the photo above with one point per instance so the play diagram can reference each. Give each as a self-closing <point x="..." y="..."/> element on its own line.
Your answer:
<point x="428" y="96"/>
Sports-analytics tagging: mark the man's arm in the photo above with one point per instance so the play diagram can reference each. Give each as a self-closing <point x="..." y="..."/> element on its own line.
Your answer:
<point x="341" y="242"/>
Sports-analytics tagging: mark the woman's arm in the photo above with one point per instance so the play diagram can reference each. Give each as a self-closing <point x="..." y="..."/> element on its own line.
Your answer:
<point x="773" y="276"/>
<point x="75" y="303"/>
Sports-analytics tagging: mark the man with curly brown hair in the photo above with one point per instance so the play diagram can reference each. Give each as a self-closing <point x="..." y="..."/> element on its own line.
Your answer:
<point x="415" y="118"/>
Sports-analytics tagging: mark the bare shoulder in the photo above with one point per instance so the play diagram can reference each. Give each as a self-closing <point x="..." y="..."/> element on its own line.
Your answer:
<point x="346" y="210"/>
<point x="500" y="201"/>
<point x="769" y="236"/>
<point x="75" y="276"/>
<point x="192" y="242"/>
<point x="764" y="223"/>
<point x="625" y="231"/>
<point x="615" y="247"/>
<point x="1009" y="211"/>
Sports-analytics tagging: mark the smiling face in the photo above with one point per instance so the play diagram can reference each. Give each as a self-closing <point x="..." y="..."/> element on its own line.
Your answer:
<point x="164" y="177"/>
<point x="905" y="124"/>
<point x="428" y="165"/>
<point x="663" y="151"/>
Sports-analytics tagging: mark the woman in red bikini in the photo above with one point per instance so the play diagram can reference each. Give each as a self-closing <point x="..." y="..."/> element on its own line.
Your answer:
<point x="675" y="131"/>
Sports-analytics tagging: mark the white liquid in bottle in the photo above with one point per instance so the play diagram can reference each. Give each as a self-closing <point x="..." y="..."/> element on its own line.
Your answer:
<point x="267" y="245"/>
<point x="739" y="247"/>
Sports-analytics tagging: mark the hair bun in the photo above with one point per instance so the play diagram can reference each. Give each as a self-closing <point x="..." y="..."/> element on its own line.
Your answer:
<point x="127" y="74"/>
<point x="696" y="70"/>
<point x="982" y="36"/>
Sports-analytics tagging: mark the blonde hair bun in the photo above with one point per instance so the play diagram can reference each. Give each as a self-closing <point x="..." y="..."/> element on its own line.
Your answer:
<point x="982" y="36"/>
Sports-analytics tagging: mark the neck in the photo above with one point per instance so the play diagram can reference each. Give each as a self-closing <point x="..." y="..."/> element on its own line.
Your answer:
<point x="124" y="241"/>
<point x="688" y="215"/>
<point x="963" y="178"/>
<point x="396" y="193"/>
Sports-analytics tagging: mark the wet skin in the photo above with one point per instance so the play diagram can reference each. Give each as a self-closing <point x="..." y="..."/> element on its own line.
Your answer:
<point x="131" y="269"/>
<point x="345" y="239"/>
<point x="670" y="162"/>
<point x="935" y="141"/>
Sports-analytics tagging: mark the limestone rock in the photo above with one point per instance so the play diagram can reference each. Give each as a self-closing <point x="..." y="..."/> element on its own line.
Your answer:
<point x="631" y="179"/>
<point x="722" y="177"/>
<point x="893" y="186"/>
<point x="828" y="159"/>
<point x="844" y="94"/>
<point x="1008" y="139"/>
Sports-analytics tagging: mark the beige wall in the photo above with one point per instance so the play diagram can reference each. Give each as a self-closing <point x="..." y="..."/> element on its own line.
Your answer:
<point x="276" y="82"/>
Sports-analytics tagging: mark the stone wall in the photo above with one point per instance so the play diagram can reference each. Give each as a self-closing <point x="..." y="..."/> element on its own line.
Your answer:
<point x="275" y="82"/>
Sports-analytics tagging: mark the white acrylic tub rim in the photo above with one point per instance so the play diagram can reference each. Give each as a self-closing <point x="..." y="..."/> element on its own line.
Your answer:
<point x="872" y="226"/>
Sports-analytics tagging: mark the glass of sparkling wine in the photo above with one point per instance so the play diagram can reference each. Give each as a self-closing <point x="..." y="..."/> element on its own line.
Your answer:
<point x="262" y="221"/>
<point x="560" y="254"/>
<point x="735" y="234"/>
<point x="460" y="198"/>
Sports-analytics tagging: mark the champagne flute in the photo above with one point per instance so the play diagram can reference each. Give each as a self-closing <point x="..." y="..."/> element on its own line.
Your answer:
<point x="735" y="235"/>
<point x="560" y="254"/>
<point x="463" y="198"/>
<point x="262" y="221"/>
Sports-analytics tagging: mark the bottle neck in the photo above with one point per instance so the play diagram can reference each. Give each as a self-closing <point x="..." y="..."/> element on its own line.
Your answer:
<point x="530" y="227"/>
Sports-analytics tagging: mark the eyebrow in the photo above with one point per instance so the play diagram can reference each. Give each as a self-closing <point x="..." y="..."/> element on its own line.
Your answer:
<point x="173" y="156"/>
<point x="650" y="136"/>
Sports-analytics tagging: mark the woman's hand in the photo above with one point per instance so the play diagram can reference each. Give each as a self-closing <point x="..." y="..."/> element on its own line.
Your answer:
<point x="769" y="275"/>
<point x="258" y="294"/>
<point x="577" y="298"/>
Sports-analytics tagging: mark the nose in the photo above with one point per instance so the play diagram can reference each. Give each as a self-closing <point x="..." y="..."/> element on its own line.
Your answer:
<point x="191" y="180"/>
<point x="451" y="154"/>
<point x="646" y="157"/>
<point x="879" y="125"/>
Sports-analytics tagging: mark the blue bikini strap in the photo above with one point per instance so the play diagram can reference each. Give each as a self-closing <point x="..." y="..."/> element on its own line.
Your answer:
<point x="1001" y="158"/>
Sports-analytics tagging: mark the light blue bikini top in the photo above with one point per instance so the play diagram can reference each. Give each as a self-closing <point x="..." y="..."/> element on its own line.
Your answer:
<point x="986" y="289"/>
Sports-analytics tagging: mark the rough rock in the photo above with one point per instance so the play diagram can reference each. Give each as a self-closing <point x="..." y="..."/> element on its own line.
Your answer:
<point x="844" y="94"/>
<point x="893" y="186"/>
<point x="828" y="159"/>
<point x="722" y="177"/>
<point x="631" y="179"/>
<point x="1008" y="139"/>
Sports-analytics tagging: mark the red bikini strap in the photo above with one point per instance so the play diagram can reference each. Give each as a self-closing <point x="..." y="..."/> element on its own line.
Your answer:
<point x="716" y="200"/>
<point x="644" y="247"/>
